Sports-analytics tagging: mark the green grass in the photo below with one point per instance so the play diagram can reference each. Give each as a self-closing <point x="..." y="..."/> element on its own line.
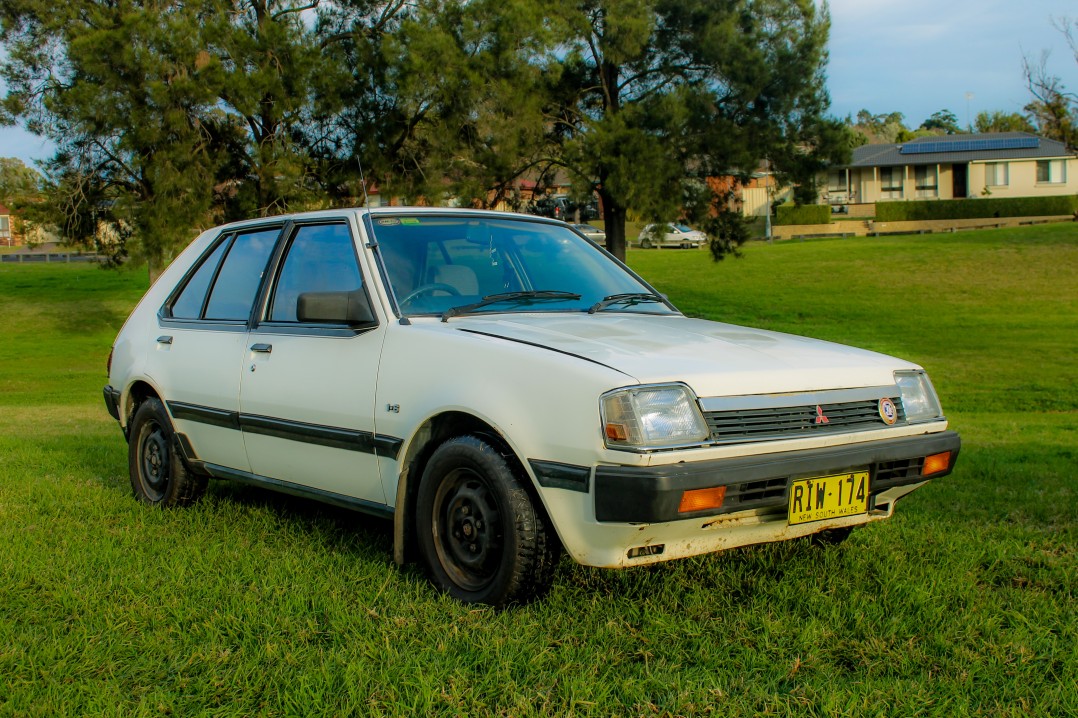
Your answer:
<point x="253" y="603"/>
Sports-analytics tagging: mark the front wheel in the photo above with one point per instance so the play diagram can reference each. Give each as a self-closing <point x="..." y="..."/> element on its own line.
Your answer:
<point x="158" y="476"/>
<point x="646" y="243"/>
<point x="481" y="537"/>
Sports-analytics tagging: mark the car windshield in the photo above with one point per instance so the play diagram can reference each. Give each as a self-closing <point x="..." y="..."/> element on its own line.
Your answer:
<point x="437" y="263"/>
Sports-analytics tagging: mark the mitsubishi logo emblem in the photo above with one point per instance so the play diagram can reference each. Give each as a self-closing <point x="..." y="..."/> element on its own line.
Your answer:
<point x="820" y="418"/>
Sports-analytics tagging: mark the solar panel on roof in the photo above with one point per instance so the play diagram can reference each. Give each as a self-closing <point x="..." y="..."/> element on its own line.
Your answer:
<point x="957" y="145"/>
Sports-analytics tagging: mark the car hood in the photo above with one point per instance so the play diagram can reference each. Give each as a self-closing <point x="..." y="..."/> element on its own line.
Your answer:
<point x="713" y="358"/>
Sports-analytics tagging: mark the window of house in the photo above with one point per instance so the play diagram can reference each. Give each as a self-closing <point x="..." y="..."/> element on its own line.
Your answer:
<point x="836" y="181"/>
<point x="891" y="182"/>
<point x="5" y="224"/>
<point x="996" y="174"/>
<point x="926" y="180"/>
<point x="1051" y="172"/>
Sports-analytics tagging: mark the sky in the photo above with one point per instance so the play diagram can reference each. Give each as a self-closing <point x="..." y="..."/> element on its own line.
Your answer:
<point x="915" y="57"/>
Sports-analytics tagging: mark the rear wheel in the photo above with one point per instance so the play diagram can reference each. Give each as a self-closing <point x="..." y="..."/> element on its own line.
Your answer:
<point x="158" y="476"/>
<point x="481" y="537"/>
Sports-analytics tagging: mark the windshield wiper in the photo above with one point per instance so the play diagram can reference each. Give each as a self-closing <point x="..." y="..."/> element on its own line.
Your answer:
<point x="629" y="298"/>
<point x="523" y="297"/>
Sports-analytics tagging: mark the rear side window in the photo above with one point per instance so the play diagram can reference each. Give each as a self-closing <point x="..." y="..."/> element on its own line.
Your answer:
<point x="189" y="304"/>
<point x="321" y="258"/>
<point x="237" y="283"/>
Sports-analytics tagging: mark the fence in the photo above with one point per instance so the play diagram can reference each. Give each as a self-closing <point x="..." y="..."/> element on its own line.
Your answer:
<point x="48" y="257"/>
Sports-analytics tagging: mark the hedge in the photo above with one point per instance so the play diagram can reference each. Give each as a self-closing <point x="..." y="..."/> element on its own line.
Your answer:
<point x="976" y="208"/>
<point x="803" y="214"/>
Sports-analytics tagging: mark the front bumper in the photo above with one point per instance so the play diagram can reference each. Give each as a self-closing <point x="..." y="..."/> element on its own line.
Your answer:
<point x="652" y="494"/>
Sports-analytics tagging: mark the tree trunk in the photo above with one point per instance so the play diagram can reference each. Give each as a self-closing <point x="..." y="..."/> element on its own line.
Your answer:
<point x="614" y="220"/>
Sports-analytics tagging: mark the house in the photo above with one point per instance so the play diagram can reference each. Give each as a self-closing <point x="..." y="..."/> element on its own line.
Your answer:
<point x="8" y="237"/>
<point x="1004" y="164"/>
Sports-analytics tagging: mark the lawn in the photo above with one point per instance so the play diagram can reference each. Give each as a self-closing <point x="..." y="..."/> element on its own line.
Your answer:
<point x="253" y="603"/>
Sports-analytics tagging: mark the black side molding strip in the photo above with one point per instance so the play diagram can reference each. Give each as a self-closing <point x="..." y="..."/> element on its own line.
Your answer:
<point x="349" y="439"/>
<point x="554" y="475"/>
<point x="205" y="415"/>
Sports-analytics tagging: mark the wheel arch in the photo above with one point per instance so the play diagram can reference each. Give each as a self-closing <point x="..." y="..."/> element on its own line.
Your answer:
<point x="139" y="391"/>
<point x="429" y="436"/>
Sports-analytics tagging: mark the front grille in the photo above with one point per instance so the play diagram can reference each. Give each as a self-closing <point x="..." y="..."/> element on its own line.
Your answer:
<point x="797" y="421"/>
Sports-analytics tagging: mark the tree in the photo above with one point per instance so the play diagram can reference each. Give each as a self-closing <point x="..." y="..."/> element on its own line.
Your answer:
<point x="117" y="87"/>
<point x="1053" y="110"/>
<point x="998" y="121"/>
<point x="942" y="121"/>
<point x="18" y="183"/>
<point x="650" y="97"/>
<point x="884" y="128"/>
<point x="167" y="116"/>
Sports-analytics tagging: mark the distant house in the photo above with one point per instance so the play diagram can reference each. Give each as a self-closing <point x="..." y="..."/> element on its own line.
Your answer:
<point x="1005" y="164"/>
<point x="7" y="228"/>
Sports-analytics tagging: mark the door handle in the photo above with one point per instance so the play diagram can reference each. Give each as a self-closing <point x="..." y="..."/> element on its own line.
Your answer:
<point x="265" y="348"/>
<point x="164" y="340"/>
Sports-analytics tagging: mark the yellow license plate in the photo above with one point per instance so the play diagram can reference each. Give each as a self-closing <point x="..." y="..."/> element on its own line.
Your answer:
<point x="828" y="497"/>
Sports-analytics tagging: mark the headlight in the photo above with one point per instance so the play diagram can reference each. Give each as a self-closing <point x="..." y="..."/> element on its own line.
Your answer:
<point x="918" y="397"/>
<point x="652" y="417"/>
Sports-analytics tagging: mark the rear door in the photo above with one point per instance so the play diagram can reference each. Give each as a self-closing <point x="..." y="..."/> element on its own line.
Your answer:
<point x="201" y="342"/>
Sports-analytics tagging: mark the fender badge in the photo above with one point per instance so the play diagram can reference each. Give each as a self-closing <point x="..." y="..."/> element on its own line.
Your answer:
<point x="888" y="411"/>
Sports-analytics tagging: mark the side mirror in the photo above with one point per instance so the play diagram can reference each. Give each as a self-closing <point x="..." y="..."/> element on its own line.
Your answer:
<point x="351" y="308"/>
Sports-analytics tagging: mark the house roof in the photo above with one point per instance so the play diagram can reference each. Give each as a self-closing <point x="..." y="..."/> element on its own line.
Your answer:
<point x="950" y="149"/>
<point x="3" y="209"/>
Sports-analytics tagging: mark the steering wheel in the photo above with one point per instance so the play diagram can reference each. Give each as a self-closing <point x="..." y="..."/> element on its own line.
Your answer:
<point x="427" y="289"/>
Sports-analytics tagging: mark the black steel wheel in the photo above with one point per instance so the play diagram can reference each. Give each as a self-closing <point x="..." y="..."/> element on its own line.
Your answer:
<point x="158" y="477"/>
<point x="481" y="537"/>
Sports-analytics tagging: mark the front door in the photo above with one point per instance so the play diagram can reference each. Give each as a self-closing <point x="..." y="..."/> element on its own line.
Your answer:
<point x="960" y="182"/>
<point x="308" y="384"/>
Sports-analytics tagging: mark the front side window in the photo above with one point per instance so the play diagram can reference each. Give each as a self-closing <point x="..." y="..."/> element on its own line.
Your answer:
<point x="436" y="263"/>
<point x="234" y="290"/>
<point x="320" y="258"/>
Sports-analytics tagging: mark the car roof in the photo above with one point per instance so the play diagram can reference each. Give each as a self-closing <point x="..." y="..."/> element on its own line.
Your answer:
<point x="361" y="212"/>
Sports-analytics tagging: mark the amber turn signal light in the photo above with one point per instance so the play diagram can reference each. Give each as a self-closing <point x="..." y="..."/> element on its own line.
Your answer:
<point x="617" y="432"/>
<point x="936" y="463"/>
<point x="701" y="499"/>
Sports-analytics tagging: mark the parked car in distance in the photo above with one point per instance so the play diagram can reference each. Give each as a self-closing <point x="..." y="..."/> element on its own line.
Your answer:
<point x="503" y="390"/>
<point x="595" y="234"/>
<point x="564" y="208"/>
<point x="671" y="235"/>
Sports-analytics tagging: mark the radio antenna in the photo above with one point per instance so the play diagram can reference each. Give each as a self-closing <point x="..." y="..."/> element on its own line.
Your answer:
<point x="363" y="182"/>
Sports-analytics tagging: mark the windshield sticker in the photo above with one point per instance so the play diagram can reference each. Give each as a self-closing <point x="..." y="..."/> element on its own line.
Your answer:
<point x="388" y="222"/>
<point x="409" y="220"/>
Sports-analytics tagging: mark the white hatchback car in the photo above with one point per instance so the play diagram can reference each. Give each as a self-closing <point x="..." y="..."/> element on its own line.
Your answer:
<point x="671" y="235"/>
<point x="500" y="388"/>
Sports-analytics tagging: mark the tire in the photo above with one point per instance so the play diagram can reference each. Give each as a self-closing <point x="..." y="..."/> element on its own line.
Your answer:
<point x="158" y="476"/>
<point x="645" y="243"/>
<point x="481" y="537"/>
